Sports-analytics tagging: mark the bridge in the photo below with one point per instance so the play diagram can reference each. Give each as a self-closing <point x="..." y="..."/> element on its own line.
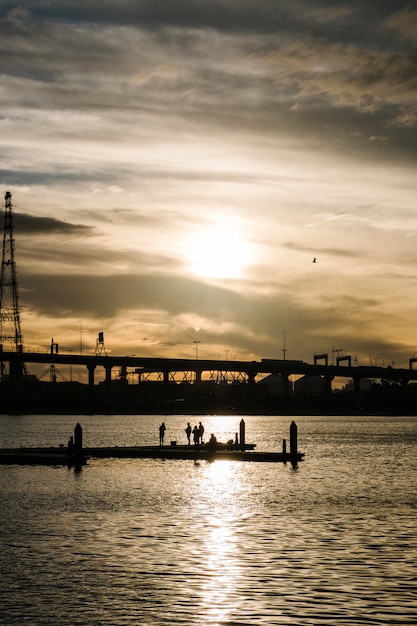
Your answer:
<point x="193" y="370"/>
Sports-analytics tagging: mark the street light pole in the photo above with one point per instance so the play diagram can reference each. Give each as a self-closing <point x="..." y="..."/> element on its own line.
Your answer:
<point x="70" y="351"/>
<point x="196" y="349"/>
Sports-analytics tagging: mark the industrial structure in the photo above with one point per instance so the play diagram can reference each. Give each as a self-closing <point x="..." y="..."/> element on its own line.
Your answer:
<point x="11" y="338"/>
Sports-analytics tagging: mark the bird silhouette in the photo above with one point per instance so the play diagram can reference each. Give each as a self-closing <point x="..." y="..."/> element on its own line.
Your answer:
<point x="314" y="260"/>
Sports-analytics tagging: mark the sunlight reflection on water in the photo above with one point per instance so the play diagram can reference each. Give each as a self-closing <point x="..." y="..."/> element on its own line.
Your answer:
<point x="156" y="542"/>
<point x="222" y="487"/>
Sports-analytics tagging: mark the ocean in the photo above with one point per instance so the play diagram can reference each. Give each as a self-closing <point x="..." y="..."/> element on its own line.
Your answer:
<point x="128" y="542"/>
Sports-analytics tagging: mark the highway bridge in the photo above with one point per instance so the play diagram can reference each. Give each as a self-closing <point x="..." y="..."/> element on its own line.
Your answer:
<point x="195" y="370"/>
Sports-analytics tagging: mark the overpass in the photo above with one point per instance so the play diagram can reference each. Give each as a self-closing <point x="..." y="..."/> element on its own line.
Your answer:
<point x="193" y="370"/>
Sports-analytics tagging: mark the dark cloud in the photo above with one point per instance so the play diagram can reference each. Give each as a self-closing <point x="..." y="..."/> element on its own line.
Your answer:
<point x="252" y="322"/>
<point x="107" y="296"/>
<point x="263" y="15"/>
<point x="44" y="174"/>
<point x="220" y="14"/>
<point x="78" y="254"/>
<point x="29" y="224"/>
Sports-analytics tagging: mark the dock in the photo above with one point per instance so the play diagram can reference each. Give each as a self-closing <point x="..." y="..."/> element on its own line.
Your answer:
<point x="75" y="454"/>
<point x="58" y="456"/>
<point x="41" y="456"/>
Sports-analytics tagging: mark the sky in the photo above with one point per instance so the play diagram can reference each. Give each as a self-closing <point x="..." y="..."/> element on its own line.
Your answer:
<point x="175" y="167"/>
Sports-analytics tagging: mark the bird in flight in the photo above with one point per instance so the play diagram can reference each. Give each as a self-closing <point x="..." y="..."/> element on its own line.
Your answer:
<point x="314" y="260"/>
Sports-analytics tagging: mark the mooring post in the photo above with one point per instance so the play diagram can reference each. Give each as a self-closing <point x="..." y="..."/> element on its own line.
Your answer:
<point x="284" y="448"/>
<point x="242" y="434"/>
<point x="78" y="438"/>
<point x="293" y="440"/>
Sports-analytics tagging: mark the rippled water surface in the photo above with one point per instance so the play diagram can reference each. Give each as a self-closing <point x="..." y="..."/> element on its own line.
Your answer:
<point x="146" y="541"/>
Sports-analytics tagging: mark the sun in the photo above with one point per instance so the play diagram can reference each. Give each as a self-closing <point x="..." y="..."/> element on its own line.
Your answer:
<point x="218" y="251"/>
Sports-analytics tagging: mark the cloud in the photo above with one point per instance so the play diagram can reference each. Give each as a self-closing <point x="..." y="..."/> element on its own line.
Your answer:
<point x="127" y="128"/>
<point x="351" y="75"/>
<point x="29" y="224"/>
<point x="295" y="81"/>
<point x="174" y="297"/>
<point x="18" y="14"/>
<point x="403" y="23"/>
<point x="165" y="72"/>
<point x="225" y="15"/>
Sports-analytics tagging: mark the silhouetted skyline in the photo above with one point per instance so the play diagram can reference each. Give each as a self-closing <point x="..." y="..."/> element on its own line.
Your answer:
<point x="174" y="170"/>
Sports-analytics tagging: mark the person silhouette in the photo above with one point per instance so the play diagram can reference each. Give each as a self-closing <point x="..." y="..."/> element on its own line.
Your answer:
<point x="200" y="432"/>
<point x="188" y="432"/>
<point x="162" y="430"/>
<point x="212" y="442"/>
<point x="196" y="435"/>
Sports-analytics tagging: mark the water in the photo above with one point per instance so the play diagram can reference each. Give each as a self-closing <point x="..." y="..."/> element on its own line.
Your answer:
<point x="156" y="542"/>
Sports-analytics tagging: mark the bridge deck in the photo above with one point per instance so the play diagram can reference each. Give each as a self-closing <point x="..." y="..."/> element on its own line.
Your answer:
<point x="167" y="366"/>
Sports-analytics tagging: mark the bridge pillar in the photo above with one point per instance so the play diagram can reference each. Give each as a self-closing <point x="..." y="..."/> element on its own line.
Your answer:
<point x="91" y="367"/>
<point x="198" y="376"/>
<point x="108" y="368"/>
<point x="251" y="377"/>
<point x="165" y="378"/>
<point x="328" y="380"/>
<point x="357" y="389"/>
<point x="286" y="385"/>
<point x="15" y="378"/>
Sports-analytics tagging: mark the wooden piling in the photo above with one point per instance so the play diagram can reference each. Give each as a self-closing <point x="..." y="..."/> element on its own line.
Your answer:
<point x="242" y="434"/>
<point x="78" y="438"/>
<point x="293" y="440"/>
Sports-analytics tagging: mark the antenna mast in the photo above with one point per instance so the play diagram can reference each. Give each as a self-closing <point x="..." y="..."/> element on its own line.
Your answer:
<point x="11" y="338"/>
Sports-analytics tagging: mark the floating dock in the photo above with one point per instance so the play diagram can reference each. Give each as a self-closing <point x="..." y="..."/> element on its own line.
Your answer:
<point x="41" y="456"/>
<point x="75" y="454"/>
<point x="194" y="453"/>
<point x="58" y="456"/>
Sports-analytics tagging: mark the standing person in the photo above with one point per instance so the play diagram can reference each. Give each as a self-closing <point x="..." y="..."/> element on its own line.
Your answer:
<point x="200" y="432"/>
<point x="162" y="430"/>
<point x="196" y="435"/>
<point x="188" y="432"/>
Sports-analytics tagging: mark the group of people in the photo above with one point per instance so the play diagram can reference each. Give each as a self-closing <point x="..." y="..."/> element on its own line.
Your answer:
<point x="197" y="432"/>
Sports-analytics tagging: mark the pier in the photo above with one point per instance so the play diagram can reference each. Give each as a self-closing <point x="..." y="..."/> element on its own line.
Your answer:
<point x="75" y="454"/>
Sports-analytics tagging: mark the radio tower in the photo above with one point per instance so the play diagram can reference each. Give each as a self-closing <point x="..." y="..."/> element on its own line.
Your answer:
<point x="11" y="339"/>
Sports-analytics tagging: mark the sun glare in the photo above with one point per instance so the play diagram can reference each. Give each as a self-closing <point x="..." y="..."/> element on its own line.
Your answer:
<point x="218" y="252"/>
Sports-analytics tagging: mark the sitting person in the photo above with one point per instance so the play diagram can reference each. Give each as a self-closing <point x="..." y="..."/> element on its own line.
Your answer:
<point x="212" y="441"/>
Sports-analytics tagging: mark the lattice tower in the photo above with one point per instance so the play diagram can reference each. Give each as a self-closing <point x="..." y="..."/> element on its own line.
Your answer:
<point x="11" y="338"/>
